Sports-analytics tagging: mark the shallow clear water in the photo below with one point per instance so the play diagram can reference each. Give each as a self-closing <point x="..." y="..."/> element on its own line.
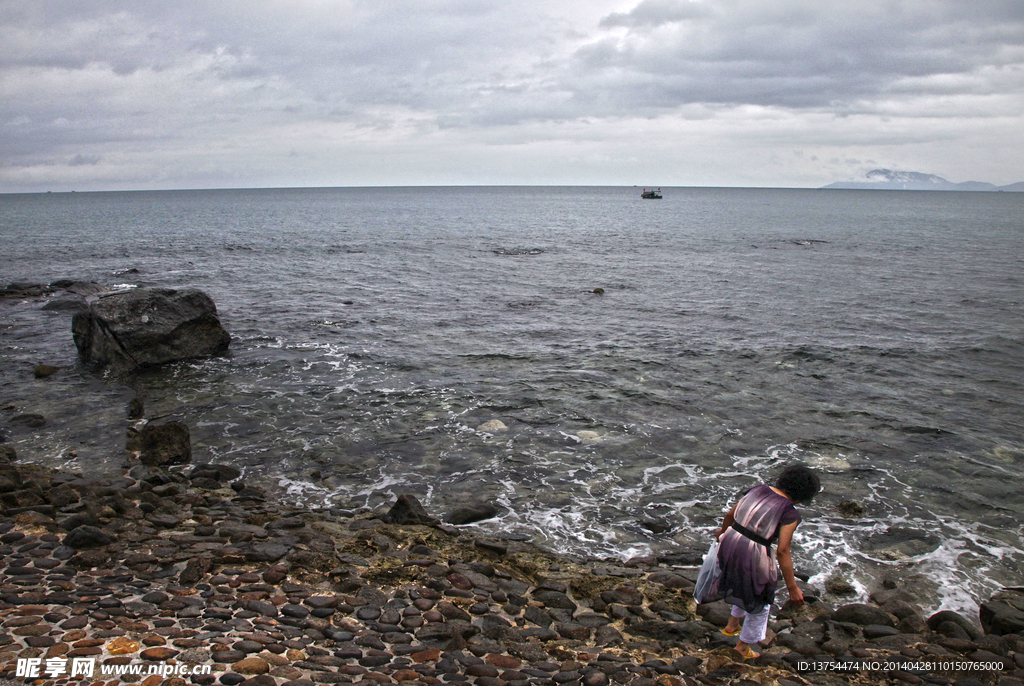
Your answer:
<point x="877" y="335"/>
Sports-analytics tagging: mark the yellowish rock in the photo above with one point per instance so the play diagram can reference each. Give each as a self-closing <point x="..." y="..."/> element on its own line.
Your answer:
<point x="122" y="645"/>
<point x="251" y="665"/>
<point x="274" y="660"/>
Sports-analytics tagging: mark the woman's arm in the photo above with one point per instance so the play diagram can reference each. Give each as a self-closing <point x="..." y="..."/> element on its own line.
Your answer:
<point x="726" y="523"/>
<point x="796" y="596"/>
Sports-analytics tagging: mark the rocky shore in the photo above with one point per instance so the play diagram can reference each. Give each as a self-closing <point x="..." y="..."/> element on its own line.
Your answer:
<point x="189" y="566"/>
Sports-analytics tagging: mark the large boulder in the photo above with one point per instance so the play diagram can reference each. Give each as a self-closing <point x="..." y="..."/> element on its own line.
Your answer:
<point x="1003" y="613"/>
<point x="147" y="327"/>
<point x="859" y="613"/>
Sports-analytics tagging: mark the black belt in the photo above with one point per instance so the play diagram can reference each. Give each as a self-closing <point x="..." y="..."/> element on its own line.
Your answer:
<point x="757" y="538"/>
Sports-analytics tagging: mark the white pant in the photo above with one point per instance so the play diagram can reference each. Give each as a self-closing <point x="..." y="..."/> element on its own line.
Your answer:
<point x="754" y="625"/>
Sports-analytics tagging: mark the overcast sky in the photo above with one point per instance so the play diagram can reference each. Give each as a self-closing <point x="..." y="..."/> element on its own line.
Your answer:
<point x="99" y="94"/>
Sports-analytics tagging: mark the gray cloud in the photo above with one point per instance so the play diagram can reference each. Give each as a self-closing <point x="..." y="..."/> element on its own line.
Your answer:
<point x="653" y="13"/>
<point x="803" y="55"/>
<point x="248" y="83"/>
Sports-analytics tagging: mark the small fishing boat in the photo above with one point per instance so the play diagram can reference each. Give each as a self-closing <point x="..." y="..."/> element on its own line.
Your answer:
<point x="651" y="195"/>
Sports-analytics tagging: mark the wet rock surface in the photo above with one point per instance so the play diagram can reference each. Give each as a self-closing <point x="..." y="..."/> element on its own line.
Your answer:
<point x="175" y="568"/>
<point x="144" y="327"/>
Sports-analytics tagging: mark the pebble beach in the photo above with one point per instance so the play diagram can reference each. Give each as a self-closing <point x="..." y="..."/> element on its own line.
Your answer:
<point x="180" y="567"/>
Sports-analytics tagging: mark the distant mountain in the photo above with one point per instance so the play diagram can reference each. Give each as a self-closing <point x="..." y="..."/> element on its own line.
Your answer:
<point x="888" y="179"/>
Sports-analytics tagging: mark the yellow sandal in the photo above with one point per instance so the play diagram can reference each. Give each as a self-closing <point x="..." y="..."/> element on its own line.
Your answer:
<point x="749" y="654"/>
<point x="726" y="632"/>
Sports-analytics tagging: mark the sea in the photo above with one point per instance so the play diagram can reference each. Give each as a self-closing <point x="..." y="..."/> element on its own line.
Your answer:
<point x="647" y="360"/>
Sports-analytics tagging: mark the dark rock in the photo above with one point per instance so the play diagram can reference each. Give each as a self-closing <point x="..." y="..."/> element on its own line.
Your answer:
<point x="45" y="371"/>
<point x="164" y="521"/>
<point x="851" y="509"/>
<point x="297" y="611"/>
<point x="952" y="630"/>
<point x="23" y="290"/>
<point x="837" y="585"/>
<point x="81" y="288"/>
<point x="259" y="607"/>
<point x="607" y="635"/>
<point x="625" y="595"/>
<point x="496" y="547"/>
<point x="901" y="609"/>
<point x="898" y="543"/>
<point x="968" y="630"/>
<point x="8" y="455"/>
<point x="803" y="645"/>
<point x="573" y="631"/>
<point x="877" y="631"/>
<point x="194" y="571"/>
<point x="321" y="601"/>
<point x="554" y="599"/>
<point x="247" y="647"/>
<point x="136" y="408"/>
<point x="1003" y="613"/>
<point x="668" y="631"/>
<point x="222" y="473"/>
<point x="408" y="510"/>
<point x="165" y="443"/>
<point x="671" y="580"/>
<point x="86" y="536"/>
<point x="287" y="523"/>
<point x="31" y="421"/>
<point x="260" y="680"/>
<point x="858" y="613"/>
<point x="275" y="575"/>
<point x="913" y="624"/>
<point x="148" y="326"/>
<point x="472" y="513"/>
<point x="656" y="526"/>
<point x="591" y="619"/>
<point x="990" y="657"/>
<point x="74" y="303"/>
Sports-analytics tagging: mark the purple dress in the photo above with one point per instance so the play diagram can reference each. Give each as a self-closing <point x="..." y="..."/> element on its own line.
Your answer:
<point x="749" y="569"/>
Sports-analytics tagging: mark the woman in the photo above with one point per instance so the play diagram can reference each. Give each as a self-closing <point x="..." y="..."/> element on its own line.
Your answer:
<point x="763" y="515"/>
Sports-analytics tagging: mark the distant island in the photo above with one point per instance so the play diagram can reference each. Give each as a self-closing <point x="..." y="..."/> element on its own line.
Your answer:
<point x="888" y="179"/>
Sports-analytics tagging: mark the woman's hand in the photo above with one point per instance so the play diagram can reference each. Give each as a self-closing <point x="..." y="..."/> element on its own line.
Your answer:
<point x="796" y="596"/>
<point x="726" y="523"/>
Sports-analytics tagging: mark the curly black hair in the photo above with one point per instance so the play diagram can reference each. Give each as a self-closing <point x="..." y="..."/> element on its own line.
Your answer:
<point x="799" y="483"/>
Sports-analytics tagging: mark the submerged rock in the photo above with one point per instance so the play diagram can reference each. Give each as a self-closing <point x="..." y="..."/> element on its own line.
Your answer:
<point x="29" y="420"/>
<point x="136" y="407"/>
<point x="44" y="371"/>
<point x="165" y="443"/>
<point x="472" y="513"/>
<point x="851" y="509"/>
<point x="147" y="327"/>
<point x="897" y="543"/>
